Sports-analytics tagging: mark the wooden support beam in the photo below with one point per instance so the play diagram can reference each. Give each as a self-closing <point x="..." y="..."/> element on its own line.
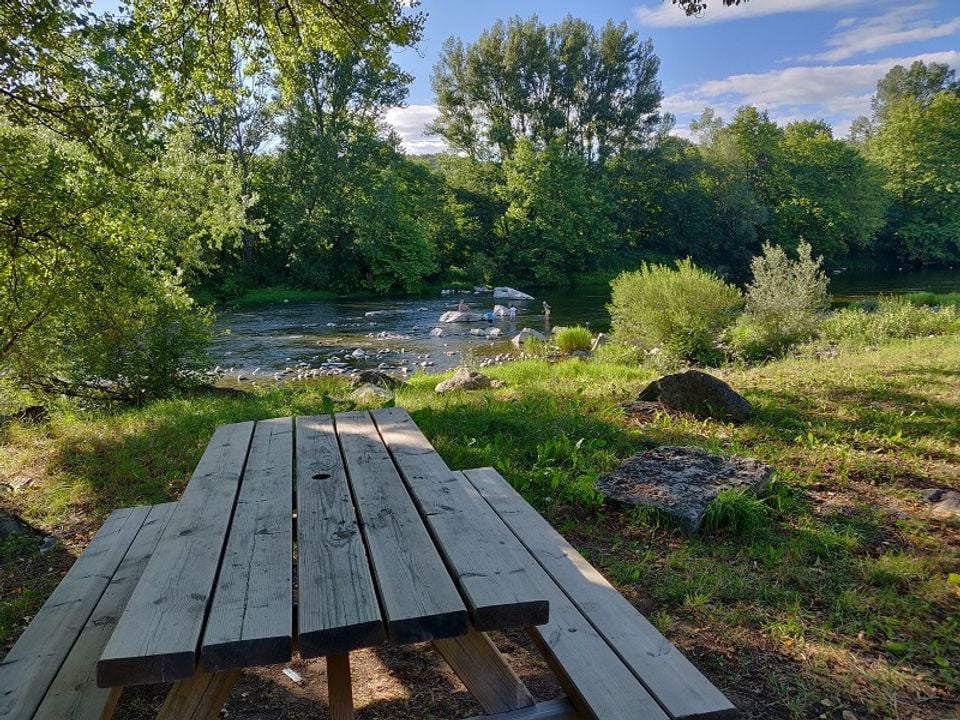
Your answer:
<point x="199" y="698"/>
<point x="339" y="687"/>
<point x="485" y="672"/>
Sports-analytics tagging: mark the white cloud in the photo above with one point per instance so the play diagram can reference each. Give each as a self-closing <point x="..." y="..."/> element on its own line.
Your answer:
<point x="666" y="14"/>
<point x="836" y="92"/>
<point x="896" y="27"/>
<point x="410" y="123"/>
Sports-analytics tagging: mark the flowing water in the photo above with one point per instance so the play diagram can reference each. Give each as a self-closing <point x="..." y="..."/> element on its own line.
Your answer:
<point x="291" y="340"/>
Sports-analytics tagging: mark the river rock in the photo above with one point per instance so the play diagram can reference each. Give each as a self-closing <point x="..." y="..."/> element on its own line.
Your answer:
<point x="494" y="332"/>
<point x="698" y="393"/>
<point x="454" y="316"/>
<point x="466" y="379"/>
<point x="500" y="311"/>
<point x="376" y="313"/>
<point x="359" y="354"/>
<point x="943" y="502"/>
<point x="520" y="337"/>
<point x="368" y="393"/>
<point x="437" y="332"/>
<point x="681" y="481"/>
<point x="508" y="293"/>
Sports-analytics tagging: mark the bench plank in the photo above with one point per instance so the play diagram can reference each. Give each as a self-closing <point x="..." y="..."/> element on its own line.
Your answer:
<point x="338" y="609"/>
<point x="74" y="694"/>
<point x="490" y="565"/>
<point x="32" y="664"/>
<point x="251" y="618"/>
<point x="550" y="710"/>
<point x="419" y="599"/>
<point x="158" y="636"/>
<point x="680" y="688"/>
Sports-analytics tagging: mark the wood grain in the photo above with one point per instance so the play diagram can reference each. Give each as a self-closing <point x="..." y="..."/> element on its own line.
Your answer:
<point x="74" y="694"/>
<point x="251" y="617"/>
<point x="560" y="709"/>
<point x="338" y="609"/>
<point x="199" y="698"/>
<point x="418" y="597"/>
<point x="339" y="687"/>
<point x="678" y="686"/>
<point x="158" y="636"/>
<point x="31" y="665"/>
<point x="490" y="565"/>
<point x="484" y="672"/>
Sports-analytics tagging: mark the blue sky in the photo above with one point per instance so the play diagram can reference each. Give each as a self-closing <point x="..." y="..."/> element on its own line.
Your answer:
<point x="794" y="58"/>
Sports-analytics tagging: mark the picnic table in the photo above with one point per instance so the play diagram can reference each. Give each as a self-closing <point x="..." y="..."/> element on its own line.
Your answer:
<point x="323" y="535"/>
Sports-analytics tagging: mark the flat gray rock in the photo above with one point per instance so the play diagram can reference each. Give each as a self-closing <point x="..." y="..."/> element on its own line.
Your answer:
<point x="467" y="379"/>
<point x="943" y="502"/>
<point x="681" y="481"/>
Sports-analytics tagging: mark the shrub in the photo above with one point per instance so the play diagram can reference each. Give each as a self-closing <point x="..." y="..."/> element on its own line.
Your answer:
<point x="894" y="317"/>
<point x="784" y="303"/>
<point x="573" y="338"/>
<point x="737" y="512"/>
<point x="682" y="310"/>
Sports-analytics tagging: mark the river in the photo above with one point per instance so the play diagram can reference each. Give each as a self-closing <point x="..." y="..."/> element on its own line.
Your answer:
<point x="295" y="340"/>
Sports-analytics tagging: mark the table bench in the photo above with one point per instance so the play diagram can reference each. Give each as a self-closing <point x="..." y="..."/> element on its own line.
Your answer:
<point x="390" y="545"/>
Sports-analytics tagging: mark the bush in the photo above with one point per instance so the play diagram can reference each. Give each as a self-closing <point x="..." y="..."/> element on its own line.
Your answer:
<point x="573" y="338"/>
<point x="682" y="310"/>
<point x="894" y="317"/>
<point x="784" y="303"/>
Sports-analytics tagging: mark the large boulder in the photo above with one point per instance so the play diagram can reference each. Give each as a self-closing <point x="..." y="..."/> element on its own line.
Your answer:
<point x="699" y="393"/>
<point x="681" y="481"/>
<point x="454" y="316"/>
<point x="521" y="336"/>
<point x="508" y="293"/>
<point x="369" y="393"/>
<point x="466" y="379"/>
<point x="379" y="378"/>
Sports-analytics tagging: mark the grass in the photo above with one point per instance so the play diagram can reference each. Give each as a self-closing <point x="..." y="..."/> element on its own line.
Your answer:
<point x="267" y="295"/>
<point x="835" y="587"/>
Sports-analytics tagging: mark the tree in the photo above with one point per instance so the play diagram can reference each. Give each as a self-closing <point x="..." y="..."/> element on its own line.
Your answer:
<point x="921" y="83"/>
<point x="831" y="196"/>
<point x="596" y="93"/>
<point x="555" y="224"/>
<point x="918" y="148"/>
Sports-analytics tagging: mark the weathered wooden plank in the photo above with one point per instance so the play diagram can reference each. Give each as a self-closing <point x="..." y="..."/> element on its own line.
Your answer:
<point x="74" y="694"/>
<point x="490" y="565"/>
<point x="417" y="595"/>
<point x="251" y="617"/>
<point x="337" y="610"/>
<point x="158" y="636"/>
<point x="484" y="672"/>
<point x="679" y="687"/>
<point x="31" y="665"/>
<point x="339" y="687"/>
<point x="201" y="697"/>
<point x="561" y="709"/>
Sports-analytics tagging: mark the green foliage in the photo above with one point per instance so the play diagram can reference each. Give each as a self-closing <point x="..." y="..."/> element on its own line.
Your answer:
<point x="573" y="338"/>
<point x="894" y="317"/>
<point x="594" y="92"/>
<point x="682" y="310"/>
<point x="918" y="146"/>
<point x="784" y="302"/>
<point x="929" y="298"/>
<point x="93" y="266"/>
<point x="736" y="512"/>
<point x="554" y="224"/>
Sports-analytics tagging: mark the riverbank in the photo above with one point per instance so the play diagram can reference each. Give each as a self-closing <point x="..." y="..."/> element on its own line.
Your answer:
<point x="844" y="597"/>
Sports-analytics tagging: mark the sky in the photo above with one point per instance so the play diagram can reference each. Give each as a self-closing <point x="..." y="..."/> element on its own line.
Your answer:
<point x="794" y="58"/>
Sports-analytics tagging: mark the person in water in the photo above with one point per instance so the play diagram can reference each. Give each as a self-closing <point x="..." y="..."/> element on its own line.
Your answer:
<point x="488" y="316"/>
<point x="546" y="311"/>
<point x="462" y="307"/>
<point x="512" y="311"/>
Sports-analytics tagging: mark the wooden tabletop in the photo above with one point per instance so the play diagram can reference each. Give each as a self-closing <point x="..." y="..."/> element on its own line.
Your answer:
<point x="353" y="522"/>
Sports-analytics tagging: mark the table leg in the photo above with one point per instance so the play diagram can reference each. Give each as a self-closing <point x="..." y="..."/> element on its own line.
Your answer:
<point x="339" y="687"/>
<point x="199" y="698"/>
<point x="485" y="672"/>
<point x="111" y="705"/>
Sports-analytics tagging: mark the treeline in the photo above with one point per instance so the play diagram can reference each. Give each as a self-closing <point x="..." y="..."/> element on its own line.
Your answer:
<point x="562" y="163"/>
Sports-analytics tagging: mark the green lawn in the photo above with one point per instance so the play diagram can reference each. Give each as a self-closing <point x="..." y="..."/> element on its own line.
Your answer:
<point x="839" y="596"/>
